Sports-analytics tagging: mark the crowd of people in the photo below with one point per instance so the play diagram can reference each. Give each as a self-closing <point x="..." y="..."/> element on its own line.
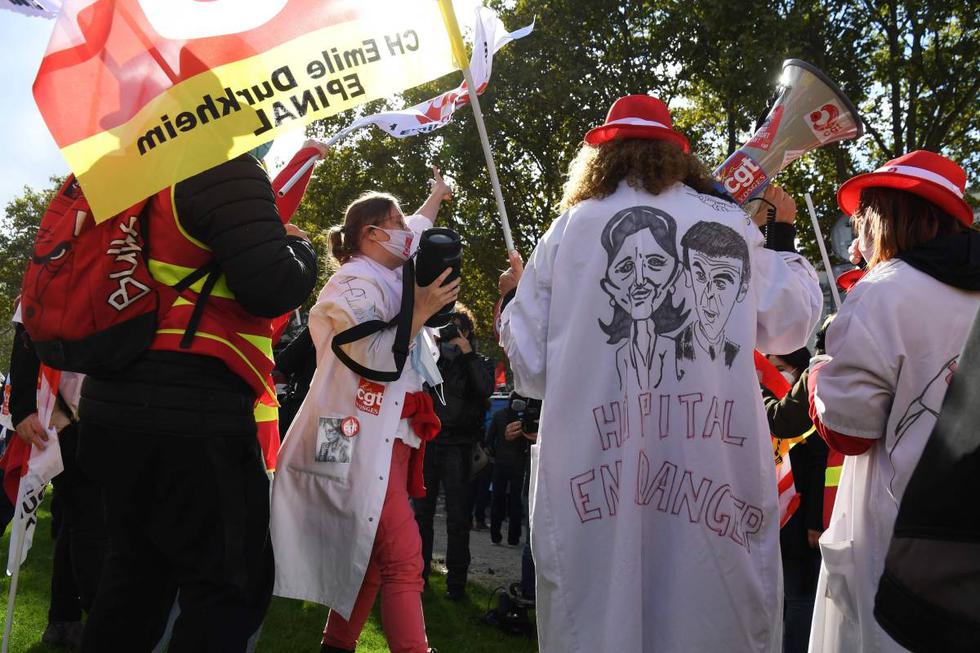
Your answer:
<point x="633" y="459"/>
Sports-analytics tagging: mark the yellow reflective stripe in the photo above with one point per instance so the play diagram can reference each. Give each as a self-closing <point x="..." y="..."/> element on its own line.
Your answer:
<point x="832" y="476"/>
<point x="264" y="413"/>
<point x="180" y="227"/>
<point x="171" y="274"/>
<point x="262" y="343"/>
<point x="210" y="336"/>
<point x="801" y="438"/>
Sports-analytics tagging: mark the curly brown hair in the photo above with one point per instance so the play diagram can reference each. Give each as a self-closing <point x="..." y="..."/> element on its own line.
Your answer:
<point x="651" y="165"/>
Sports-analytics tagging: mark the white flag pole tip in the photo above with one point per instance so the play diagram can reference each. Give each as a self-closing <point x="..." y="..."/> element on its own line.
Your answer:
<point x="823" y="251"/>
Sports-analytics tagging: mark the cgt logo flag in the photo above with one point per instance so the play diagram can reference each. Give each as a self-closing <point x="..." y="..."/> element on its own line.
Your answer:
<point x="140" y="94"/>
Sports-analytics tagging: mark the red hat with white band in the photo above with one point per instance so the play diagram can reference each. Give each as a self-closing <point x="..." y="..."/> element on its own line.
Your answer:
<point x="926" y="174"/>
<point x="637" y="116"/>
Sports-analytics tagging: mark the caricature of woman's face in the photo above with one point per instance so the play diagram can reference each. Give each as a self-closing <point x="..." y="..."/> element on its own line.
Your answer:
<point x="639" y="273"/>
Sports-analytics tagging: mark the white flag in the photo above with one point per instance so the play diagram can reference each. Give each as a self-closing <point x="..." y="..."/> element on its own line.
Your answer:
<point x="6" y="421"/>
<point x="42" y="8"/>
<point x="490" y="35"/>
<point x="42" y="466"/>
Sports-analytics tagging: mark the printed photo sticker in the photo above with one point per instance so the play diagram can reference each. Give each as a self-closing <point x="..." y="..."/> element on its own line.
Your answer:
<point x="331" y="444"/>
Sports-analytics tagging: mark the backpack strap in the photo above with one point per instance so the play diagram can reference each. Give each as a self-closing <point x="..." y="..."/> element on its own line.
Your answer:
<point x="211" y="270"/>
<point x="403" y="327"/>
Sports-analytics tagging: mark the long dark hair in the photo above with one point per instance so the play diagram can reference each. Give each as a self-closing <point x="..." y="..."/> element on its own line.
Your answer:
<point x="662" y="226"/>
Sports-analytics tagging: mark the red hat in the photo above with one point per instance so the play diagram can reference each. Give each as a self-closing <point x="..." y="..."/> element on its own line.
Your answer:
<point x="637" y="116"/>
<point x="926" y="174"/>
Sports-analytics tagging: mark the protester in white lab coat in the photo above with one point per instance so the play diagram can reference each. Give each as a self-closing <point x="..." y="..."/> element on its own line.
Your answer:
<point x="893" y="349"/>
<point x="654" y="517"/>
<point x="342" y="526"/>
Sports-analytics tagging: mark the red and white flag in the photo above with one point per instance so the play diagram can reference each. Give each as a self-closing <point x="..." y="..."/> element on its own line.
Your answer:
<point x="40" y="8"/>
<point x="490" y="35"/>
<point x="36" y="472"/>
<point x="789" y="498"/>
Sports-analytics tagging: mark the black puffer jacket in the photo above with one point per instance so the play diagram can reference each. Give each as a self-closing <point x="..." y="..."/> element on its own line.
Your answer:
<point x="231" y="208"/>
<point x="467" y="386"/>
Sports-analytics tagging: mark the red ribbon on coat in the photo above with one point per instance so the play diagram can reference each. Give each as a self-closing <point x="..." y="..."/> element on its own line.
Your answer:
<point x="425" y="423"/>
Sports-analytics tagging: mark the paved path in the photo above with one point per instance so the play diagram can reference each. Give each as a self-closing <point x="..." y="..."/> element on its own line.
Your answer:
<point x="492" y="565"/>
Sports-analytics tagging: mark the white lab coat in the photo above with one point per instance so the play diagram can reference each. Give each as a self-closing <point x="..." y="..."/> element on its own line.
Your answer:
<point x="654" y="519"/>
<point x="894" y="346"/>
<point x="330" y="488"/>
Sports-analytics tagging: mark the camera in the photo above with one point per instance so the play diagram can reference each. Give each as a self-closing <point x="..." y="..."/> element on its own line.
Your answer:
<point x="528" y="412"/>
<point x="448" y="332"/>
<point x="438" y="249"/>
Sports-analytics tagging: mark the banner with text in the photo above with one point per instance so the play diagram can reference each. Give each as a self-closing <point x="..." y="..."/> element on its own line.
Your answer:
<point x="489" y="36"/>
<point x="140" y="94"/>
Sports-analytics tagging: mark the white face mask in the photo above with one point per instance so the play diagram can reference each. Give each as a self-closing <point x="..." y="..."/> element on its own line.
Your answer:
<point x="401" y="242"/>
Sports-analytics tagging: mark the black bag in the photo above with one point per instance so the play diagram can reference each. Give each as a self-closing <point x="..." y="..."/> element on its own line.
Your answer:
<point x="512" y="614"/>
<point x="929" y="595"/>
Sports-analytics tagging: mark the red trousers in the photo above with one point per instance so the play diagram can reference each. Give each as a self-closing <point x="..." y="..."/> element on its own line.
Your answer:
<point x="395" y="568"/>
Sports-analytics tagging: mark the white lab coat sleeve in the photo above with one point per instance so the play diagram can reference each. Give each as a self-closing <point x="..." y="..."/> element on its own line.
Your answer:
<point x="345" y="302"/>
<point x="418" y="223"/>
<point x="524" y="321"/>
<point x="788" y="295"/>
<point x="856" y="388"/>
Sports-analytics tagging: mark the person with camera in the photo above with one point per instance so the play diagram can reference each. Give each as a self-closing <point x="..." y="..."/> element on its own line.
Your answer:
<point x="467" y="386"/>
<point x="342" y="525"/>
<point x="508" y="443"/>
<point x="655" y="521"/>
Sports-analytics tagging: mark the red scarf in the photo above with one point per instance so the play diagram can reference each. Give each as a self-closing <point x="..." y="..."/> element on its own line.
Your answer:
<point x="419" y="409"/>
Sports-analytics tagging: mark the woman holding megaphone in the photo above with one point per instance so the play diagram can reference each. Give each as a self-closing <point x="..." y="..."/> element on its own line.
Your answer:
<point x="891" y="353"/>
<point x="342" y="525"/>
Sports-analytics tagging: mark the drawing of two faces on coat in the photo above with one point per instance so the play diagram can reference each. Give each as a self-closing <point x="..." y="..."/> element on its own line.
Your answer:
<point x="643" y="267"/>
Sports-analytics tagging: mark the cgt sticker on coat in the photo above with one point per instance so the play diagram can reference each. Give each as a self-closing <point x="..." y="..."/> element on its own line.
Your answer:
<point x="369" y="396"/>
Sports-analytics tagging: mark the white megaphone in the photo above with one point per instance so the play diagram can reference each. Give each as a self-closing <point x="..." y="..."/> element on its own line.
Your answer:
<point x="810" y="111"/>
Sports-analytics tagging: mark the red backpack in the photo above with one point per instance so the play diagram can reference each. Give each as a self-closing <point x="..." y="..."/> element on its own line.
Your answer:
<point x="88" y="300"/>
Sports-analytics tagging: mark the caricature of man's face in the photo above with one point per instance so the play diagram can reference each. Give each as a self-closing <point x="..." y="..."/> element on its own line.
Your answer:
<point x="638" y="275"/>
<point x="717" y="283"/>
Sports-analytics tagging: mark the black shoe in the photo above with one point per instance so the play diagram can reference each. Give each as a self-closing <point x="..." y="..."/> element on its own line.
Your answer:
<point x="63" y="633"/>
<point x="455" y="594"/>
<point x="480" y="525"/>
<point x="496" y="537"/>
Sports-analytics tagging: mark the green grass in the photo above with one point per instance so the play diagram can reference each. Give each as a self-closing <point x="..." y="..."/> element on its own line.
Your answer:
<point x="290" y="626"/>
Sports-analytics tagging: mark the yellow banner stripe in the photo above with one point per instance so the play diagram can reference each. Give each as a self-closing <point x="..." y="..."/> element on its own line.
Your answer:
<point x="228" y="110"/>
<point x="455" y="36"/>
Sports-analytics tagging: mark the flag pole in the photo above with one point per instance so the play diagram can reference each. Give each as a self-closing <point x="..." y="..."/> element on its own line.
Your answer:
<point x="459" y="52"/>
<point x="288" y="186"/>
<point x="823" y="251"/>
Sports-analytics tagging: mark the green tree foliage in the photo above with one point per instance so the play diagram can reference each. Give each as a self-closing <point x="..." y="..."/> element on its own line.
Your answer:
<point x="18" y="226"/>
